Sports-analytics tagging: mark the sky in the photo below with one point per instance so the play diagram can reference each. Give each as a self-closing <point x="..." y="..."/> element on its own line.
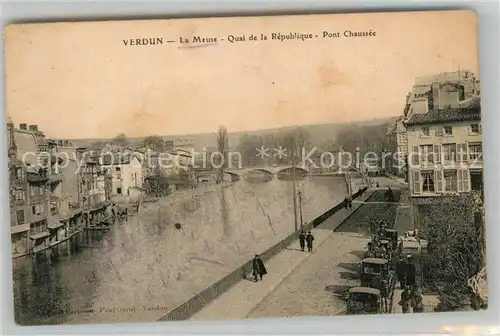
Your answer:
<point x="79" y="80"/>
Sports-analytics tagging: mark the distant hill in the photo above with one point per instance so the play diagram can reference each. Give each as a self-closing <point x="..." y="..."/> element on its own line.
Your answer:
<point x="320" y="133"/>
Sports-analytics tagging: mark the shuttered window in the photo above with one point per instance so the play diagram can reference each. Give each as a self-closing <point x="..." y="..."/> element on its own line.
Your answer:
<point x="437" y="153"/>
<point x="416" y="182"/>
<point x="463" y="180"/>
<point x="415" y="155"/>
<point x="439" y="181"/>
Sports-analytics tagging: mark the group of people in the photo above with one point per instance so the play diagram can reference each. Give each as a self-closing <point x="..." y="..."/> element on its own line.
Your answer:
<point x="347" y="203"/>
<point x="377" y="250"/>
<point x="303" y="239"/>
<point x="411" y="297"/>
<point x="406" y="272"/>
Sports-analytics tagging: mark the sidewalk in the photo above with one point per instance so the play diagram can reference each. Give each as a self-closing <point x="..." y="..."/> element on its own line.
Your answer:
<point x="243" y="297"/>
<point x="239" y="301"/>
<point x="396" y="178"/>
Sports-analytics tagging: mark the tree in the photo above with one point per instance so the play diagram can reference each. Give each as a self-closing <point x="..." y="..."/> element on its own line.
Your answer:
<point x="154" y="142"/>
<point x="222" y="147"/>
<point x="121" y="140"/>
<point x="455" y="236"/>
<point x="158" y="183"/>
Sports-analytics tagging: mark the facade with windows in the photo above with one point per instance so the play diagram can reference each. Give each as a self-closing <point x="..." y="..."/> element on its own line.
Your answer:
<point x="124" y="170"/>
<point x="445" y="155"/>
<point x="397" y="151"/>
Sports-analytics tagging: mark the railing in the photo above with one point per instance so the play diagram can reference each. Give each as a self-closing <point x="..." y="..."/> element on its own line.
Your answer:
<point x="196" y="303"/>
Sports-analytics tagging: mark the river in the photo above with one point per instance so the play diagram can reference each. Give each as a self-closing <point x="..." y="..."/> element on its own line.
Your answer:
<point x="144" y="267"/>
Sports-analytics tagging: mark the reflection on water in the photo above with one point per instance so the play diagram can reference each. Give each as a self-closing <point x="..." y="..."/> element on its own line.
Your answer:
<point x="144" y="267"/>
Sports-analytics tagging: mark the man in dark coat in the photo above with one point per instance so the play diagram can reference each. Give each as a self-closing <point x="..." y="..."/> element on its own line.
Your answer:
<point x="350" y="203"/>
<point x="411" y="273"/>
<point x="405" y="301"/>
<point x="302" y="240"/>
<point x="259" y="269"/>
<point x="401" y="268"/>
<point x="346" y="202"/>
<point x="309" y="239"/>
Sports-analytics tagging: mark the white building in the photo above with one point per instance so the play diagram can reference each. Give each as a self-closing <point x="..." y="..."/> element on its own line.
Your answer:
<point x="398" y="144"/>
<point x="445" y="154"/>
<point x="126" y="171"/>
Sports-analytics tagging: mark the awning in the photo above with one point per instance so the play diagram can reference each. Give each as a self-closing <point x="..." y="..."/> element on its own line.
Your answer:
<point x="40" y="235"/>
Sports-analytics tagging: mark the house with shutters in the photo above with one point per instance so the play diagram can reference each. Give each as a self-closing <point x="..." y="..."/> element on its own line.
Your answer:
<point x="445" y="154"/>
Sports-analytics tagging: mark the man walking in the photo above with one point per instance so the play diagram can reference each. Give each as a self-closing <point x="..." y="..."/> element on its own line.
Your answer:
<point x="401" y="267"/>
<point x="259" y="270"/>
<point x="411" y="272"/>
<point x="405" y="301"/>
<point x="309" y="239"/>
<point x="302" y="240"/>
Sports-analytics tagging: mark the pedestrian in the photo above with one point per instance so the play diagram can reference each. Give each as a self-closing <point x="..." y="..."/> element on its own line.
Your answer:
<point x="350" y="203"/>
<point x="259" y="270"/>
<point x="378" y="185"/>
<point x="411" y="272"/>
<point x="346" y="203"/>
<point x="417" y="301"/>
<point x="401" y="267"/>
<point x="310" y="239"/>
<point x="302" y="240"/>
<point x="405" y="301"/>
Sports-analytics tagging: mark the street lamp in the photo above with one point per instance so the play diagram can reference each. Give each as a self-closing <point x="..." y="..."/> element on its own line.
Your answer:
<point x="300" y="207"/>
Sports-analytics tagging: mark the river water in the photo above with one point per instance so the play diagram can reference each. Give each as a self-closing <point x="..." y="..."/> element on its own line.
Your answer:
<point x="144" y="267"/>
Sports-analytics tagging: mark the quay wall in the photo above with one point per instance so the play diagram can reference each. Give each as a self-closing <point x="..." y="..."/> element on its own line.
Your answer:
<point x="196" y="303"/>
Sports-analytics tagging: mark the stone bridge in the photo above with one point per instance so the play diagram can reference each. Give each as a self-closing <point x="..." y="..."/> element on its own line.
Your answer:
<point x="267" y="170"/>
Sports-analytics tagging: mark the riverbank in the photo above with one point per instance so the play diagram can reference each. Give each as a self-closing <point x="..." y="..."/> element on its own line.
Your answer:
<point x="216" y="232"/>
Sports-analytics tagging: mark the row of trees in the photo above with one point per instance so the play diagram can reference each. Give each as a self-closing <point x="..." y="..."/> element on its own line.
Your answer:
<point x="291" y="140"/>
<point x="455" y="233"/>
<point x="154" y="142"/>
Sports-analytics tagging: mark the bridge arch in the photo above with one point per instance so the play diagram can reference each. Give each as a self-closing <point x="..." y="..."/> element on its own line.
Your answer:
<point x="259" y="175"/>
<point x="288" y="172"/>
<point x="234" y="177"/>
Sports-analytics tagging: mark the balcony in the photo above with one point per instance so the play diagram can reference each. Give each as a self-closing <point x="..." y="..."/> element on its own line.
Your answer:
<point x="55" y="178"/>
<point x="37" y="178"/>
<point x="20" y="228"/>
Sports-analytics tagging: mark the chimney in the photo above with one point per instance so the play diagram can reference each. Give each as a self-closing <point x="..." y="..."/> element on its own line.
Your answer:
<point x="23" y="127"/>
<point x="33" y="128"/>
<point x="66" y="143"/>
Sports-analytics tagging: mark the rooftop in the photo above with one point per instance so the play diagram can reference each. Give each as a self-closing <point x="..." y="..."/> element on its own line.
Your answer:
<point x="446" y="115"/>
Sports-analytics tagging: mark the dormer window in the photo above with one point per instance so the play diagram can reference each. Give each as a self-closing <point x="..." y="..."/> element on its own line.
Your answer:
<point x="424" y="131"/>
<point x="448" y="130"/>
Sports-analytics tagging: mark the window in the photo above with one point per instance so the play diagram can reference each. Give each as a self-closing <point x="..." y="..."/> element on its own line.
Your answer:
<point x="19" y="195"/>
<point x="428" y="181"/>
<point x="476" y="151"/>
<point x="463" y="180"/>
<point x="449" y="152"/>
<point x="19" y="173"/>
<point x="450" y="180"/>
<point x="119" y="190"/>
<point x="448" y="130"/>
<point x="33" y="209"/>
<point x="427" y="153"/>
<point x="20" y="216"/>
<point x="461" y="152"/>
<point x="118" y="169"/>
<point x="474" y="128"/>
<point x="424" y="131"/>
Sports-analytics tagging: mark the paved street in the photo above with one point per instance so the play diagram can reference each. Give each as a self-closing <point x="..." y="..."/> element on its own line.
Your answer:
<point x="313" y="288"/>
<point x="308" y="284"/>
<point x="239" y="301"/>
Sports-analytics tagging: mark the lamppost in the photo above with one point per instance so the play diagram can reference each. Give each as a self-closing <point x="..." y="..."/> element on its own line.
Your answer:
<point x="300" y="207"/>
